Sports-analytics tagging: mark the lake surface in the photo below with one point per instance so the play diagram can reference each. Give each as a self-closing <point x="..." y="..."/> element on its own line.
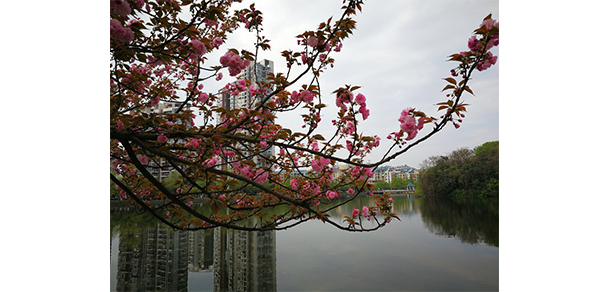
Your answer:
<point x="438" y="245"/>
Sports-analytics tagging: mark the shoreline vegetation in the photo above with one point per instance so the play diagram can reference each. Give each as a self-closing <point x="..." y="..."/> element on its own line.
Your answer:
<point x="464" y="173"/>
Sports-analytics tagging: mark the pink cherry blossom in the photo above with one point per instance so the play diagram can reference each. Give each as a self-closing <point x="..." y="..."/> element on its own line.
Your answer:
<point x="489" y="23"/>
<point x="349" y="146"/>
<point x="162" y="138"/>
<point x="294" y="183"/>
<point x="253" y="90"/>
<point x="342" y="99"/>
<point x="338" y="47"/>
<point x="473" y="44"/>
<point x="349" y="128"/>
<point x="487" y="62"/>
<point x="360" y="99"/>
<point x="241" y="84"/>
<point x="314" y="146"/>
<point x="143" y="159"/>
<point x="355" y="213"/>
<point x="235" y="63"/>
<point x="198" y="48"/>
<point x="122" y="35"/>
<point x="409" y="124"/>
<point x="120" y="7"/>
<point x="306" y="96"/>
<point x="211" y="162"/>
<point x="261" y="176"/>
<point x="365" y="211"/>
<point x="315" y="166"/>
<point x="324" y="161"/>
<point x="139" y="3"/>
<point x="217" y="42"/>
<point x="203" y="97"/>
<point x="364" y="111"/>
<point x="304" y="58"/>
<point x="340" y="104"/>
<point x="312" y="41"/>
<point x="368" y="172"/>
<point x="331" y="195"/>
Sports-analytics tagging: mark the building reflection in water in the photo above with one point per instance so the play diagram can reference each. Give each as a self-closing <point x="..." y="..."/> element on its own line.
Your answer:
<point x="244" y="261"/>
<point x="153" y="259"/>
<point x="157" y="258"/>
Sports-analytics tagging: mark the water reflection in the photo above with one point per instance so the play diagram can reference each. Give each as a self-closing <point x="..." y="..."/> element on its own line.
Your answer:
<point x="471" y="221"/>
<point x="404" y="205"/>
<point x="153" y="257"/>
<point x="244" y="261"/>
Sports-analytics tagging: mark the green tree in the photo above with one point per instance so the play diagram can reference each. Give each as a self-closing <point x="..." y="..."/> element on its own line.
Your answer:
<point x="463" y="173"/>
<point x="398" y="183"/>
<point x="382" y="185"/>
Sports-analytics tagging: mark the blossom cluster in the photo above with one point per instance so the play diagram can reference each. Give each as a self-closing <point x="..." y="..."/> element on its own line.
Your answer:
<point x="259" y="176"/>
<point x="322" y="46"/>
<point x="347" y="97"/>
<point x="122" y="35"/>
<point x="409" y="124"/>
<point x="304" y="95"/>
<point x="235" y="63"/>
<point x="488" y="60"/>
<point x="320" y="164"/>
<point x="361" y="172"/>
<point x="198" y="48"/>
<point x="478" y="46"/>
<point x="120" y="7"/>
<point x="331" y="195"/>
<point x="366" y="212"/>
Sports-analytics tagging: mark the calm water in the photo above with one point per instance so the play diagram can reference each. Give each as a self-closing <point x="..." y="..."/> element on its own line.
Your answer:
<point x="437" y="246"/>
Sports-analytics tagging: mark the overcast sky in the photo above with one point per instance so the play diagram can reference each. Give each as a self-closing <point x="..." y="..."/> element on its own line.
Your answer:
<point x="398" y="56"/>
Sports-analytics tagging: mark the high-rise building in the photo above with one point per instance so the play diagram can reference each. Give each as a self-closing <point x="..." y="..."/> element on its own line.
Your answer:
<point x="159" y="168"/>
<point x="256" y="73"/>
<point x="164" y="107"/>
